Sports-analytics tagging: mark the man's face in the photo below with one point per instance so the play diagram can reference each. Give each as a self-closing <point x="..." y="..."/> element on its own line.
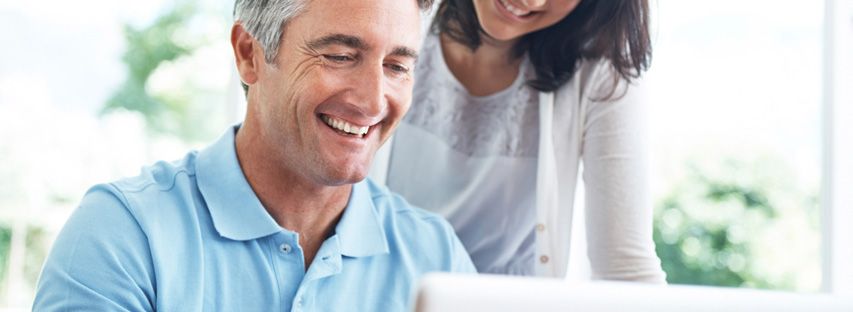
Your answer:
<point x="342" y="64"/>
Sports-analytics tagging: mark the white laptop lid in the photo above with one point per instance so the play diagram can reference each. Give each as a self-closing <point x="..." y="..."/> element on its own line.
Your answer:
<point x="441" y="292"/>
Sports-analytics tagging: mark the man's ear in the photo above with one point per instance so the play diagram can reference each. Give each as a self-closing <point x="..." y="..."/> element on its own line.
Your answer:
<point x="248" y="60"/>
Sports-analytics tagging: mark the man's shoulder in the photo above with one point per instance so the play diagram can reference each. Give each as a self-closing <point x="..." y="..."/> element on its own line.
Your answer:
<point x="162" y="187"/>
<point x="392" y="206"/>
<point x="106" y="249"/>
<point x="160" y="176"/>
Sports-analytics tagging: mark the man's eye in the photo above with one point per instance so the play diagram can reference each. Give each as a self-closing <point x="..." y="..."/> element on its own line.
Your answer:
<point x="398" y="68"/>
<point x="337" y="58"/>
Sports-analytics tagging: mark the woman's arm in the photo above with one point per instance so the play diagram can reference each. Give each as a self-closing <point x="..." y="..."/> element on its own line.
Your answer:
<point x="616" y="176"/>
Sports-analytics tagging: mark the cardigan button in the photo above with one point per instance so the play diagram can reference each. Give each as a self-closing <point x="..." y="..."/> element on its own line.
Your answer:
<point x="543" y="259"/>
<point x="540" y="227"/>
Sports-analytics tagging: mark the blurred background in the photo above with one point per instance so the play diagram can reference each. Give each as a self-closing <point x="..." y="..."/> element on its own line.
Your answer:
<point x="91" y="90"/>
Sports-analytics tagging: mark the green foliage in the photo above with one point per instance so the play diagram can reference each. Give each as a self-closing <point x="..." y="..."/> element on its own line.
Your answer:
<point x="5" y="242"/>
<point x="724" y="222"/>
<point x="167" y="40"/>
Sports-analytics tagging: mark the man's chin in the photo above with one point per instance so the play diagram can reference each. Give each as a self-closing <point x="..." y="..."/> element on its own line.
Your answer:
<point x="341" y="182"/>
<point x="344" y="177"/>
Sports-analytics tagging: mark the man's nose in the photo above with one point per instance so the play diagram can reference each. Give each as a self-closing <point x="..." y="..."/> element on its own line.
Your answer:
<point x="370" y="91"/>
<point x="533" y="3"/>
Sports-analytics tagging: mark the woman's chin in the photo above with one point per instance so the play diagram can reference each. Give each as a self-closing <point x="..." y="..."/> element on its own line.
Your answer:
<point x="502" y="34"/>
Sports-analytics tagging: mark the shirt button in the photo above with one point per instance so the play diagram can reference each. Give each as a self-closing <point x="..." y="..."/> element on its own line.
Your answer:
<point x="540" y="227"/>
<point x="285" y="248"/>
<point x="299" y="303"/>
<point x="543" y="259"/>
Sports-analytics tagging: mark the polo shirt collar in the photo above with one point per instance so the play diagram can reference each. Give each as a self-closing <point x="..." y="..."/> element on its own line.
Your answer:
<point x="236" y="211"/>
<point x="238" y="214"/>
<point x="359" y="231"/>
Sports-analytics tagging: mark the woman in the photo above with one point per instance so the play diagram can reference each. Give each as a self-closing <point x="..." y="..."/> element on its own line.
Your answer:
<point x="510" y="95"/>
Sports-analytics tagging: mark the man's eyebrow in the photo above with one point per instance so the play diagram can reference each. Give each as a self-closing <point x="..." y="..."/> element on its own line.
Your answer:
<point x="405" y="51"/>
<point x="356" y="43"/>
<point x="335" y="39"/>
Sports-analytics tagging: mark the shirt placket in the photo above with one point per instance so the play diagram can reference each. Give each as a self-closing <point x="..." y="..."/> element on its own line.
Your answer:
<point x="326" y="263"/>
<point x="289" y="264"/>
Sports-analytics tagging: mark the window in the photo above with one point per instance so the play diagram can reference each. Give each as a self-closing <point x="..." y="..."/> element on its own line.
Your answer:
<point x="749" y="137"/>
<point x="838" y="149"/>
<point x="735" y="93"/>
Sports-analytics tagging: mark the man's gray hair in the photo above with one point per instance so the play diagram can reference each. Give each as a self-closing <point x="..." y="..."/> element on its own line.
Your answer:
<point x="265" y="20"/>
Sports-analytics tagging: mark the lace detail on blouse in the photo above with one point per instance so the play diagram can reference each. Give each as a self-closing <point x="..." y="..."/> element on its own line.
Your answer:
<point x="502" y="124"/>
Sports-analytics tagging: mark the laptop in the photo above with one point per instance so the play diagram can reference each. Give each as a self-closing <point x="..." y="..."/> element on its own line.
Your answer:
<point x="442" y="292"/>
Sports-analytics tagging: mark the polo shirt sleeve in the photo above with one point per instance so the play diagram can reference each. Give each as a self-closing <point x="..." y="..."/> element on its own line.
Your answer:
<point x="100" y="261"/>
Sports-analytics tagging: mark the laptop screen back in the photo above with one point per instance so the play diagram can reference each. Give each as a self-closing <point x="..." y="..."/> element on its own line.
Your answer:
<point x="440" y="292"/>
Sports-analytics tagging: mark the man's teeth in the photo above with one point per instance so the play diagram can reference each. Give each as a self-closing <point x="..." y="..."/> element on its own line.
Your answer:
<point x="514" y="10"/>
<point x="345" y="126"/>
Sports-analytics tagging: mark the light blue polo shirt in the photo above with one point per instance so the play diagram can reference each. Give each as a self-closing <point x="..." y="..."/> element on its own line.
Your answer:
<point x="191" y="235"/>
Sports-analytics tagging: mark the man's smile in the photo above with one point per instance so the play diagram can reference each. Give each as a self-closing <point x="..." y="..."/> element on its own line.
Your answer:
<point x="345" y="127"/>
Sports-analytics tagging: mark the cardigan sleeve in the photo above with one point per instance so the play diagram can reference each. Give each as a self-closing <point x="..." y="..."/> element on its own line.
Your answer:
<point x="616" y="177"/>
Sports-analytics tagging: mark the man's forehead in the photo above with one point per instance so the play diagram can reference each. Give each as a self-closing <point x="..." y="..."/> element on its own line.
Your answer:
<point x="392" y="26"/>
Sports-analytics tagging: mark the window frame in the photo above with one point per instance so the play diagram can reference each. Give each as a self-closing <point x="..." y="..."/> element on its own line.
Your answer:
<point x="837" y="196"/>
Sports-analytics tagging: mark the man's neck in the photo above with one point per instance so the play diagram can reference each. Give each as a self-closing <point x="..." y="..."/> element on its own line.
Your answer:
<point x="294" y="202"/>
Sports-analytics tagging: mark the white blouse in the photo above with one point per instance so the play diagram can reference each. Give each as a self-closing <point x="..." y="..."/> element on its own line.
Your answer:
<point x="473" y="160"/>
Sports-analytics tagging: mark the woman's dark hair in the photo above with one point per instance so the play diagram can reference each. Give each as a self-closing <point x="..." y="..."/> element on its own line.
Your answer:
<point x="616" y="30"/>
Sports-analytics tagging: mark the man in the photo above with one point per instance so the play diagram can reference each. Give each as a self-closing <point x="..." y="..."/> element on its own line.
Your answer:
<point x="275" y="215"/>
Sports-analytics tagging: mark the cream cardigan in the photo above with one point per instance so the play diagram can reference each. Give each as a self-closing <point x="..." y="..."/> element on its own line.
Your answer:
<point x="609" y="137"/>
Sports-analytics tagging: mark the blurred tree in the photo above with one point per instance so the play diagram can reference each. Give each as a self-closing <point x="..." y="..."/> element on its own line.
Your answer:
<point x="741" y="223"/>
<point x="146" y="49"/>
<point x="179" y="106"/>
<point x="5" y="241"/>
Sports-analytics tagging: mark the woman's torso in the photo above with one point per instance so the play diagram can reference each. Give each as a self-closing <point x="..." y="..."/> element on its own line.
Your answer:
<point x="472" y="159"/>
